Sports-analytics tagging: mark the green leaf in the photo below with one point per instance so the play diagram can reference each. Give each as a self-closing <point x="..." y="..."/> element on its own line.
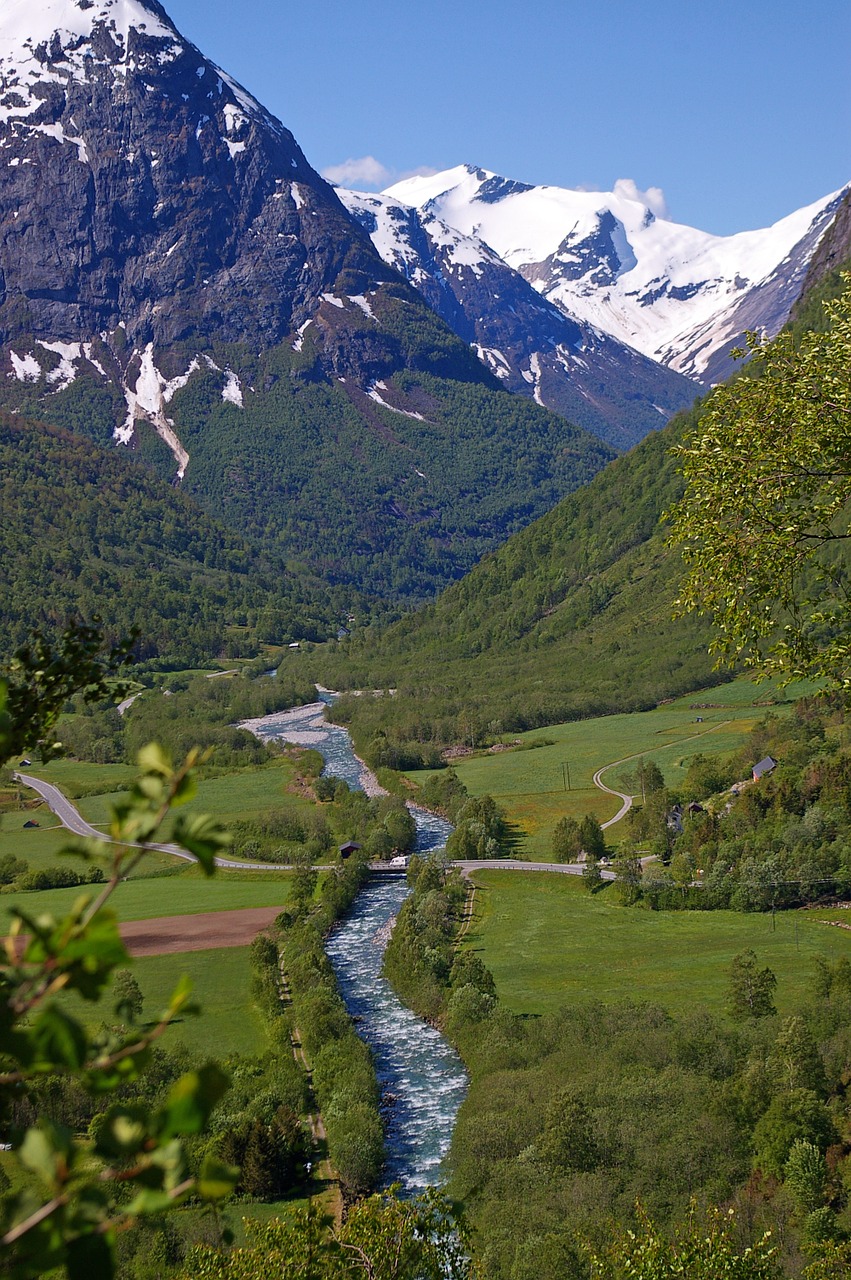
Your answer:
<point x="153" y="759"/>
<point x="203" y="836"/>
<point x="191" y="1100"/>
<point x="57" y="1040"/>
<point x="123" y="1131"/>
<point x="216" y="1179"/>
<point x="185" y="790"/>
<point x="47" y="1150"/>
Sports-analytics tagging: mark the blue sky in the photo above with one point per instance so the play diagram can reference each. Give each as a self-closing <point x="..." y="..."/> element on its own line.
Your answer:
<point x="739" y="112"/>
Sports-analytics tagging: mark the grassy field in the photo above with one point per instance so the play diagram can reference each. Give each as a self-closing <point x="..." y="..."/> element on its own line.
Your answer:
<point x="221" y="981"/>
<point x="549" y="943"/>
<point x="187" y="893"/>
<point x="227" y="797"/>
<point x="40" y="846"/>
<point x="541" y="784"/>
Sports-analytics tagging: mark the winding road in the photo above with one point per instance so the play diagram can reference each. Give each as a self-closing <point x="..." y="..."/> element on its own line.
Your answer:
<point x="71" y="818"/>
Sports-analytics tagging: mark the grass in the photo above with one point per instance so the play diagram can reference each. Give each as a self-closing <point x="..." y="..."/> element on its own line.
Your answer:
<point x="188" y="893"/>
<point x="40" y="846"/>
<point x="532" y="784"/>
<point x="549" y="943"/>
<point x="227" y="797"/>
<point x="221" y="982"/>
<point x="80" y="777"/>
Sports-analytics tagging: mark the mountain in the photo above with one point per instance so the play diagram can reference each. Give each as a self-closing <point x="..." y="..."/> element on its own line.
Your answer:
<point x="175" y="276"/>
<point x="532" y="346"/>
<point x="681" y="296"/>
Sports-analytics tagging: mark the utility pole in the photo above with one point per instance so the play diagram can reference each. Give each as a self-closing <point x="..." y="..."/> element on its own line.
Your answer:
<point x="565" y="775"/>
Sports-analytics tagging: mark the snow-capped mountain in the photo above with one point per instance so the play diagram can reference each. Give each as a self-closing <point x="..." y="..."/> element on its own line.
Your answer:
<point x="174" y="275"/>
<point x="681" y="296"/>
<point x="530" y="344"/>
<point x="150" y="206"/>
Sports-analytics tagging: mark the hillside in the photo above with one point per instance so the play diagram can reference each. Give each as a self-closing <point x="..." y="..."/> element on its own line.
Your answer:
<point x="529" y="344"/>
<point x="572" y="617"/>
<point x="86" y="533"/>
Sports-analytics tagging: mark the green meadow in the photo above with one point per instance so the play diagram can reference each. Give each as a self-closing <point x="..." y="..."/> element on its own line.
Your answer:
<point x="229" y="1021"/>
<point x="549" y="943"/>
<point x="187" y="893"/>
<point x="538" y="784"/>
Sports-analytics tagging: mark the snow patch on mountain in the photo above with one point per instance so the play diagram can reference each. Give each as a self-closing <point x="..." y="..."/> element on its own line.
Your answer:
<point x="25" y="368"/>
<point x="147" y="400"/>
<point x="232" y="390"/>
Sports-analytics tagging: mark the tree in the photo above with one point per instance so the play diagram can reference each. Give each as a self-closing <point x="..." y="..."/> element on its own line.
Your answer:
<point x="798" y="1115"/>
<point x="702" y="1249"/>
<point x="129" y="1000"/>
<point x="805" y="1174"/>
<point x="384" y="1237"/>
<point x="76" y="1193"/>
<point x="568" y="1142"/>
<point x="591" y="837"/>
<point x="628" y="877"/>
<point x="304" y="880"/>
<point x="567" y="842"/>
<point x="751" y="990"/>
<point x="765" y="515"/>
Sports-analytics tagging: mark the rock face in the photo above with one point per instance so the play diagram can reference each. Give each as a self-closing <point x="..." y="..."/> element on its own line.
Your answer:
<point x="834" y="250"/>
<point x="677" y="294"/>
<point x="141" y="187"/>
<point x="532" y="346"/>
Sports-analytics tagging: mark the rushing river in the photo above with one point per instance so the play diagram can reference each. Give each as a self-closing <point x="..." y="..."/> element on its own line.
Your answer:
<point x="420" y="1074"/>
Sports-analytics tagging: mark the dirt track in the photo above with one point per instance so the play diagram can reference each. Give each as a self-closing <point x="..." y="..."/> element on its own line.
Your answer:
<point x="169" y="935"/>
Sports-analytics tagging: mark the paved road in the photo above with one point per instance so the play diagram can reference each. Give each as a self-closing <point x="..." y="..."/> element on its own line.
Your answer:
<point x="71" y="818"/>
<point x="627" y="800"/>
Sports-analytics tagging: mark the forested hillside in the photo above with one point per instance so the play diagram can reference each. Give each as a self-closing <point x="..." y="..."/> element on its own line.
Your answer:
<point x="573" y="617"/>
<point x="87" y="533"/>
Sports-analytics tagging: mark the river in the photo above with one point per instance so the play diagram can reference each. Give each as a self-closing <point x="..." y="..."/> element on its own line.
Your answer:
<point x="421" y="1076"/>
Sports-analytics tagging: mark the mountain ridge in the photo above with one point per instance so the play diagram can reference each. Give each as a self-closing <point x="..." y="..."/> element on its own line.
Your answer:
<point x="530" y="345"/>
<point x="679" y="295"/>
<point x="174" y="275"/>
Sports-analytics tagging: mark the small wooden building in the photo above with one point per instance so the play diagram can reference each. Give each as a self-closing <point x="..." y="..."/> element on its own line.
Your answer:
<point x="347" y="849"/>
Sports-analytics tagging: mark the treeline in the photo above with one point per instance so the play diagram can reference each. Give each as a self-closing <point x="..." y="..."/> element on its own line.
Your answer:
<point x="343" y="1073"/>
<point x="381" y="824"/>
<point x="16" y="877"/>
<point x="429" y="496"/>
<point x="572" y="617"/>
<point x="573" y="1117"/>
<point x="258" y="1125"/>
<point x="439" y="982"/>
<point x="782" y="841"/>
<point x="181" y="713"/>
<point x="569" y="619"/>
<point x="87" y="533"/>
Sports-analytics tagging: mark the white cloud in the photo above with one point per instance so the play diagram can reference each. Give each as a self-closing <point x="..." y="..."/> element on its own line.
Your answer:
<point x="365" y="172"/>
<point x="653" y="197"/>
